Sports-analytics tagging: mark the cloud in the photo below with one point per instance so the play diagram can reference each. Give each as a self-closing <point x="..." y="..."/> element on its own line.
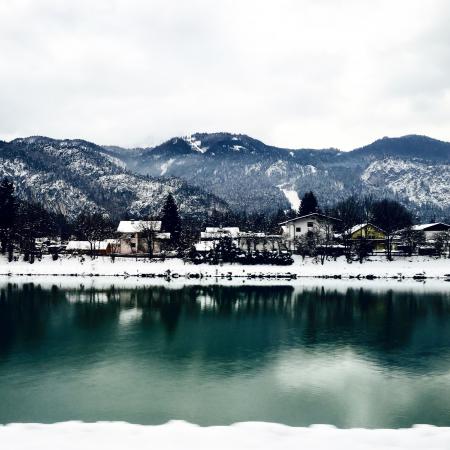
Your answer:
<point x="294" y="73"/>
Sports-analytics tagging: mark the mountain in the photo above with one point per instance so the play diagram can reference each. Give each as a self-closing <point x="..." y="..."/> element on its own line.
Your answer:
<point x="252" y="176"/>
<point x="225" y="171"/>
<point x="69" y="176"/>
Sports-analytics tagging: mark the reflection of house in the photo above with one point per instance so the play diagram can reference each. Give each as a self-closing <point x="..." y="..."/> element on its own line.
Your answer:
<point x="375" y="235"/>
<point x="85" y="247"/>
<point x="246" y="241"/>
<point x="136" y="236"/>
<point x="300" y="226"/>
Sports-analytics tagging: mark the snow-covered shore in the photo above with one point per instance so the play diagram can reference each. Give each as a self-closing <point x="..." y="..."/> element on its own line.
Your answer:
<point x="103" y="266"/>
<point x="248" y="435"/>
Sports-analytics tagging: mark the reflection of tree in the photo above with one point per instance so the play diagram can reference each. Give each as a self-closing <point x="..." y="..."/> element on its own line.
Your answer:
<point x="236" y="326"/>
<point x="25" y="314"/>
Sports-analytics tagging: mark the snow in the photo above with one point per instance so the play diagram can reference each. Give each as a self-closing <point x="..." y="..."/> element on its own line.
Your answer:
<point x="291" y="195"/>
<point x="136" y="226"/>
<point x="196" y="145"/>
<point x="418" y="182"/>
<point x="86" y="245"/>
<point x="245" y="435"/>
<point x="204" y="246"/>
<point x="277" y="168"/>
<point x="424" y="226"/>
<point x="376" y="266"/>
<point x="166" y="165"/>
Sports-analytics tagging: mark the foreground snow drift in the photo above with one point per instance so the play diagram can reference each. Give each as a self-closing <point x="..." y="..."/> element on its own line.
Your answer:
<point x="181" y="435"/>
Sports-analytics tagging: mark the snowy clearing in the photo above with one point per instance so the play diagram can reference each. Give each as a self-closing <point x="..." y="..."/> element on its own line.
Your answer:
<point x="247" y="435"/>
<point x="376" y="266"/>
<point x="292" y="197"/>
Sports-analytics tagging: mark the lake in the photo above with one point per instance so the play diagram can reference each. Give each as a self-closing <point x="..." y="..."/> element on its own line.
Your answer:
<point x="335" y="352"/>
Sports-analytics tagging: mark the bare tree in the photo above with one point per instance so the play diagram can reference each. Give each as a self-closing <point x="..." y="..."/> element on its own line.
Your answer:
<point x="92" y="228"/>
<point x="442" y="243"/>
<point x="324" y="238"/>
<point x="148" y="230"/>
<point x="412" y="239"/>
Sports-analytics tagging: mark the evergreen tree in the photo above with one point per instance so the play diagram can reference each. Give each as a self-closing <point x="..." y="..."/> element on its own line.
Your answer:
<point x="309" y="204"/>
<point x="171" y="221"/>
<point x="7" y="213"/>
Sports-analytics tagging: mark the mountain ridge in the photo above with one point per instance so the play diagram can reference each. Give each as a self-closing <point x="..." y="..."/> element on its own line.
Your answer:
<point x="225" y="170"/>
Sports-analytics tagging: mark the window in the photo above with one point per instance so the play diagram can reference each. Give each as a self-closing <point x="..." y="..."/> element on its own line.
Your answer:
<point x="310" y="224"/>
<point x="298" y="230"/>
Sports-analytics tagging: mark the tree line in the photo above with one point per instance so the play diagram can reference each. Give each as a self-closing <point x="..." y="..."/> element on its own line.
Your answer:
<point x="21" y="222"/>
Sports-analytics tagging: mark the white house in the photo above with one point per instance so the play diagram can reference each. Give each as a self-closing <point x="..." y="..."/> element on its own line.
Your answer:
<point x="300" y="226"/>
<point x="135" y="236"/>
<point x="245" y="240"/>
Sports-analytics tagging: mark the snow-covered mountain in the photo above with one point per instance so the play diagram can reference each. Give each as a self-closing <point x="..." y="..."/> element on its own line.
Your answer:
<point x="252" y="176"/>
<point x="70" y="176"/>
<point x="221" y="170"/>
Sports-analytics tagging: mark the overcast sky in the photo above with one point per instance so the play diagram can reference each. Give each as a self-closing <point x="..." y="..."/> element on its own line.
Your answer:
<point x="293" y="73"/>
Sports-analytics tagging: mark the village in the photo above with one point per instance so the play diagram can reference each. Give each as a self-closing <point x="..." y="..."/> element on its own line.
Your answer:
<point x="311" y="235"/>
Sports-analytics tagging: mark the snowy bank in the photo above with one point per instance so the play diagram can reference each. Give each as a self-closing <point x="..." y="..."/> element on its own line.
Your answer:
<point x="182" y="435"/>
<point x="376" y="266"/>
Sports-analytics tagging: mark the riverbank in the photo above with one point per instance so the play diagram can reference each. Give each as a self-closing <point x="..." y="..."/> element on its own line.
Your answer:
<point x="181" y="435"/>
<point x="375" y="267"/>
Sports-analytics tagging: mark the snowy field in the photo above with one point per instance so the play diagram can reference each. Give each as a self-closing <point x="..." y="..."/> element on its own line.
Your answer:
<point x="376" y="266"/>
<point x="249" y="435"/>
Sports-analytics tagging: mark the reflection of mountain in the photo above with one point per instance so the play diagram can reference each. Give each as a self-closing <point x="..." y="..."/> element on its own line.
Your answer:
<point x="235" y="325"/>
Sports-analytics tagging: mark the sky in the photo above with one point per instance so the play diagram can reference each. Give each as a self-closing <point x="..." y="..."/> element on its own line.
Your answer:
<point x="292" y="73"/>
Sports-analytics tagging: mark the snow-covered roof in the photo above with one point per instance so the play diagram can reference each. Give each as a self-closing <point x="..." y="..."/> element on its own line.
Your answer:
<point x="136" y="226"/>
<point x="204" y="246"/>
<point x="231" y="230"/>
<point x="360" y="226"/>
<point x="323" y="216"/>
<point x="216" y="232"/>
<point x="162" y="235"/>
<point x="425" y="226"/>
<point x="85" y="245"/>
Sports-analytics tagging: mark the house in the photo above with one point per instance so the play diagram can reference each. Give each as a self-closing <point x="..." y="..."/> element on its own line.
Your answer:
<point x="86" y="247"/>
<point x="298" y="227"/>
<point x="430" y="232"/>
<point x="375" y="235"/>
<point x="431" y="229"/>
<point x="245" y="240"/>
<point x="135" y="237"/>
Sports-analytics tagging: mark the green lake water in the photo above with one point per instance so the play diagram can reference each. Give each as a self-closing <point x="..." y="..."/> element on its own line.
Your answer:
<point x="345" y="355"/>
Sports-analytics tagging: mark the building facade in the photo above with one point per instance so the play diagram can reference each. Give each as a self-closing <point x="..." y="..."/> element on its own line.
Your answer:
<point x="294" y="229"/>
<point x="141" y="237"/>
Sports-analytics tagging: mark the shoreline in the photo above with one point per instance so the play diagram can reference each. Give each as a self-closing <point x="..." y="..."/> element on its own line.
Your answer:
<point x="415" y="268"/>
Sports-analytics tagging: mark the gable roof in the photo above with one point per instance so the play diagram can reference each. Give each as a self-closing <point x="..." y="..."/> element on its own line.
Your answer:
<point x="360" y="226"/>
<point x="425" y="226"/>
<point x="136" y="226"/>
<point x="323" y="216"/>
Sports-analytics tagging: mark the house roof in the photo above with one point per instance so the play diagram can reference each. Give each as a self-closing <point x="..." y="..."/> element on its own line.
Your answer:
<point x="360" y="226"/>
<point x="324" y="216"/>
<point x="136" y="226"/>
<point x="162" y="235"/>
<point x="425" y="226"/>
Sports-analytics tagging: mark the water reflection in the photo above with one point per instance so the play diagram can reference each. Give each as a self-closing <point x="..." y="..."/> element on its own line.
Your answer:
<point x="297" y="355"/>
